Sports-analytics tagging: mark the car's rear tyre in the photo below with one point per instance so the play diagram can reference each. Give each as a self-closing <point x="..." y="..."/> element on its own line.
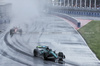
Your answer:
<point x="35" y="52"/>
<point x="11" y="32"/>
<point x="44" y="56"/>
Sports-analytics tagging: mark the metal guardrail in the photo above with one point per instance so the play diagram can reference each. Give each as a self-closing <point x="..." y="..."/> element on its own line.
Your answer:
<point x="84" y="13"/>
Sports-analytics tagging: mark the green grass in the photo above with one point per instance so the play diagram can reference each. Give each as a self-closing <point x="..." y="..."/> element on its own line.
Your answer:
<point x="91" y="33"/>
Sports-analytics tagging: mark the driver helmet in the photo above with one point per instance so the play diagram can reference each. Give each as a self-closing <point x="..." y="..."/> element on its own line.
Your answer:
<point x="47" y="48"/>
<point x="50" y="49"/>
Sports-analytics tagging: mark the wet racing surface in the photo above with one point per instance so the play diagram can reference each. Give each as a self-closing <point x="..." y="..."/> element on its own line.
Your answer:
<point x="50" y="31"/>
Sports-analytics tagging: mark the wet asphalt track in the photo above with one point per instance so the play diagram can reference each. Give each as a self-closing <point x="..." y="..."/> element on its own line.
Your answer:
<point x="50" y="31"/>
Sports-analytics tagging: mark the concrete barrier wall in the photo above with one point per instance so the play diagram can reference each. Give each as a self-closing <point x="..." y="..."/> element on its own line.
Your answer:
<point x="73" y="20"/>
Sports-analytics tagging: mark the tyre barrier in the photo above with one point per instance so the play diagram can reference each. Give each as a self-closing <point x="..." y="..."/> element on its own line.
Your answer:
<point x="73" y="20"/>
